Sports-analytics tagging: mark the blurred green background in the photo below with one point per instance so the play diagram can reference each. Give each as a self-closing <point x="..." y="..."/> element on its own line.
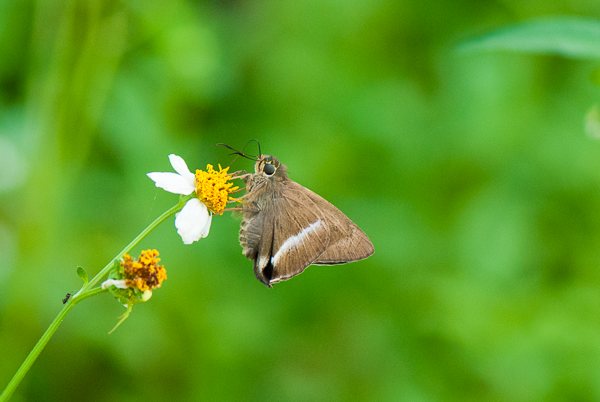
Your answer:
<point x="471" y="173"/>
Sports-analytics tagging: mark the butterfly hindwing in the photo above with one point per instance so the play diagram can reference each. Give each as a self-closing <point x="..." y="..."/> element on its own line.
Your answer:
<point x="287" y="227"/>
<point x="347" y="242"/>
<point x="300" y="236"/>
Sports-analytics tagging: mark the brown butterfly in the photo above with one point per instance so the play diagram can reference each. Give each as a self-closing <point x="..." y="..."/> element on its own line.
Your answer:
<point x="286" y="227"/>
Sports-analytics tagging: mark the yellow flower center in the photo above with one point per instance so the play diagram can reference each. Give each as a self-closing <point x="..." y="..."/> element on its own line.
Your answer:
<point x="213" y="188"/>
<point x="145" y="273"/>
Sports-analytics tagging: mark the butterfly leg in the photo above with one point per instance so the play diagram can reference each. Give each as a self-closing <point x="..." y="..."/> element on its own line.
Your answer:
<point x="238" y="199"/>
<point x="233" y="209"/>
<point x="234" y="200"/>
<point x="251" y="207"/>
<point x="240" y="174"/>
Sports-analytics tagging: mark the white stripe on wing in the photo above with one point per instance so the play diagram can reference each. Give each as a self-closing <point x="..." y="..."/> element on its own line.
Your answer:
<point x="294" y="240"/>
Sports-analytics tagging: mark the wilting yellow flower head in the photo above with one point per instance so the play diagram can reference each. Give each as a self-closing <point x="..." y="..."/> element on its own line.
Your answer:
<point x="132" y="281"/>
<point x="213" y="188"/>
<point x="145" y="273"/>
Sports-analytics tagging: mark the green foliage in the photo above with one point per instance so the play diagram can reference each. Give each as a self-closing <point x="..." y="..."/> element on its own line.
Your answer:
<point x="81" y="273"/>
<point x="573" y="37"/>
<point x="471" y="173"/>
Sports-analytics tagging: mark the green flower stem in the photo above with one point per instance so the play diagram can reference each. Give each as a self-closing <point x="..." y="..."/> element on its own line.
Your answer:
<point x="87" y="290"/>
<point x="35" y="352"/>
<point x="85" y="295"/>
<point x="104" y="271"/>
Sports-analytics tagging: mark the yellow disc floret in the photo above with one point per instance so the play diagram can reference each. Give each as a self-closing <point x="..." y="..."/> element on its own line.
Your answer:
<point x="145" y="273"/>
<point x="213" y="188"/>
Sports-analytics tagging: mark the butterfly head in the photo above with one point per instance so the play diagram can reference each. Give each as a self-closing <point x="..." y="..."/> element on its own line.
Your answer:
<point x="270" y="168"/>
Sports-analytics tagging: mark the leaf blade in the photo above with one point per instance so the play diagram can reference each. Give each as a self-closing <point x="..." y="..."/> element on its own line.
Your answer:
<point x="571" y="37"/>
<point x="81" y="273"/>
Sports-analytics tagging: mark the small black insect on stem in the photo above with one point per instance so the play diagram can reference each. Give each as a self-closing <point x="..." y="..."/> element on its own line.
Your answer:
<point x="66" y="298"/>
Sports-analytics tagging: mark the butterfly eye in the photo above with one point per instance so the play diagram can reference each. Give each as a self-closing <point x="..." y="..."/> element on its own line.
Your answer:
<point x="269" y="169"/>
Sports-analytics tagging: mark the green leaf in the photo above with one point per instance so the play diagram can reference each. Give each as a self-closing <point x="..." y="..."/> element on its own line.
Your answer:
<point x="592" y="122"/>
<point x="82" y="274"/>
<point x="122" y="318"/>
<point x="595" y="77"/>
<point x="565" y="36"/>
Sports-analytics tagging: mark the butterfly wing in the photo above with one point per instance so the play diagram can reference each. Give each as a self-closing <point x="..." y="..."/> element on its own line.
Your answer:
<point x="347" y="242"/>
<point x="286" y="232"/>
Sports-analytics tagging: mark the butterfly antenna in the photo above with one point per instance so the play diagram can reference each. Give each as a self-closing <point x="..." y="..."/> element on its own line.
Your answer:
<point x="235" y="151"/>
<point x="258" y="144"/>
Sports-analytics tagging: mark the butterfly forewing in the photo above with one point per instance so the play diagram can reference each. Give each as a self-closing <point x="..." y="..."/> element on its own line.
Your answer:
<point x="287" y="227"/>
<point x="352" y="247"/>
<point x="346" y="241"/>
<point x="291" y="237"/>
<point x="301" y="234"/>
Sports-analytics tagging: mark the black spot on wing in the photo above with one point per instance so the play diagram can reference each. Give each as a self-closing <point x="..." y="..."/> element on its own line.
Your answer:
<point x="268" y="273"/>
<point x="265" y="275"/>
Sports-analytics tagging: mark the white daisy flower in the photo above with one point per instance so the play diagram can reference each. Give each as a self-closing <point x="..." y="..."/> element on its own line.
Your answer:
<point x="193" y="221"/>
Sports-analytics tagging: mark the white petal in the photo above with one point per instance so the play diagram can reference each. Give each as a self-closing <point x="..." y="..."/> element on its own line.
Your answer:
<point x="173" y="183"/>
<point x="118" y="283"/>
<point x="146" y="295"/>
<point x="193" y="221"/>
<point x="180" y="166"/>
<point x="206" y="227"/>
